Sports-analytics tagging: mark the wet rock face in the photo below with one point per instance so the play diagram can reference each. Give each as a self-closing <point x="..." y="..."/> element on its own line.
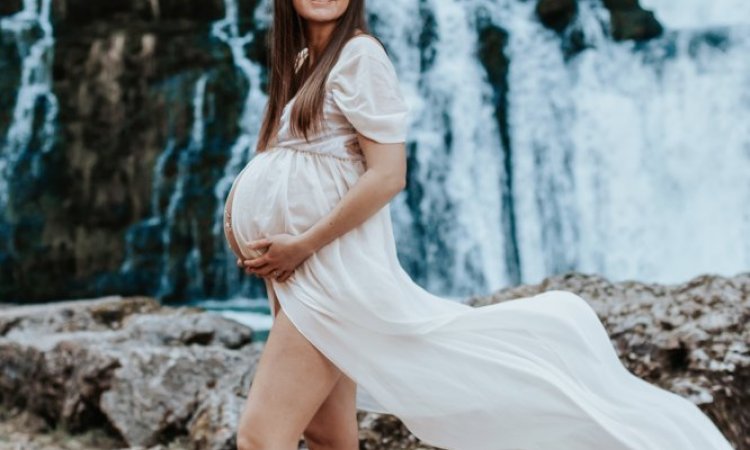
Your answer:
<point x="124" y="76"/>
<point x="81" y="12"/>
<point x="556" y="14"/>
<point x="8" y="7"/>
<point x="630" y="21"/>
<point x="143" y="373"/>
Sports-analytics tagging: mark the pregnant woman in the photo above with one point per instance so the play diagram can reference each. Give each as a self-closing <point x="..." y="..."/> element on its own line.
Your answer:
<point x="310" y="215"/>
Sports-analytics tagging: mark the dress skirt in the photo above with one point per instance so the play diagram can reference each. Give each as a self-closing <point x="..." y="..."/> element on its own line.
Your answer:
<point x="535" y="373"/>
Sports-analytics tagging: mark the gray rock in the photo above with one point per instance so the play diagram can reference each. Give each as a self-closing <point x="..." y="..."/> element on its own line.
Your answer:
<point x="141" y="371"/>
<point x="185" y="328"/>
<point x="105" y="313"/>
<point x="152" y="376"/>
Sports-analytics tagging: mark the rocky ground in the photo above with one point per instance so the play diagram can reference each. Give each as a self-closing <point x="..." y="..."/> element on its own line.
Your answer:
<point x="21" y="430"/>
<point x="117" y="372"/>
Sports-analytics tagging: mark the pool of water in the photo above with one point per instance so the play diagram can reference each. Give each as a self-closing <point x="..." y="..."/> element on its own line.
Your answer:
<point x="252" y="312"/>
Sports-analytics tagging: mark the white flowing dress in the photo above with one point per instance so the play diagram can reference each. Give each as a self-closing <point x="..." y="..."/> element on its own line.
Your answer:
<point x="536" y="373"/>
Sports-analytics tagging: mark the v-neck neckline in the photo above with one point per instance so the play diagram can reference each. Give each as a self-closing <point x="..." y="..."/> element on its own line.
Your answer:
<point x="305" y="54"/>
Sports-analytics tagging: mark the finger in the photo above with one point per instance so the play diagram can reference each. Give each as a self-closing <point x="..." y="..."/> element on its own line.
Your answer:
<point x="267" y="270"/>
<point x="261" y="271"/>
<point x="253" y="270"/>
<point x="256" y="262"/>
<point x="259" y="243"/>
<point x="286" y="276"/>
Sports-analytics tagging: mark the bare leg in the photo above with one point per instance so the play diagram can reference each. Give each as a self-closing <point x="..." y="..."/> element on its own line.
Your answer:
<point x="290" y="384"/>
<point x="335" y="426"/>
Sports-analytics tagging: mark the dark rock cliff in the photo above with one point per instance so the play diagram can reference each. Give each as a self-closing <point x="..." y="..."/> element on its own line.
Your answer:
<point x="123" y="73"/>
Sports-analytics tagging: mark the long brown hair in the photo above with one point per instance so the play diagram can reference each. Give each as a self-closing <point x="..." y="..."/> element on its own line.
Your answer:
<point x="285" y="41"/>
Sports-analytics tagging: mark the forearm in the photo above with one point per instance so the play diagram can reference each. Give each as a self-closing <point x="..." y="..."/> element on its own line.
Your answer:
<point x="369" y="194"/>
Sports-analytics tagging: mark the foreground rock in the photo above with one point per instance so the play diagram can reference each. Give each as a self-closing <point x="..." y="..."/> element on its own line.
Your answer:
<point x="150" y="376"/>
<point x="144" y="373"/>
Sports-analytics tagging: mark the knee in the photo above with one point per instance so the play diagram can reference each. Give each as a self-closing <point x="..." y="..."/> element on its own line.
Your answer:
<point x="247" y="441"/>
<point x="252" y="440"/>
<point x="253" y="435"/>
<point x="256" y="441"/>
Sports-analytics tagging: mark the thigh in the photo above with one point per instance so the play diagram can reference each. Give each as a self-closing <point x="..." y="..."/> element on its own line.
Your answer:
<point x="290" y="383"/>
<point x="335" y="422"/>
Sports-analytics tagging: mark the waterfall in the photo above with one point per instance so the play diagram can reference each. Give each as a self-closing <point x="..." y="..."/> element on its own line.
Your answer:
<point x="611" y="165"/>
<point x="196" y="144"/>
<point x="32" y="127"/>
<point x="161" y="225"/>
<point x="625" y="159"/>
<point x="628" y="160"/>
<point x="631" y="160"/>
<point x="227" y="31"/>
<point x="448" y="224"/>
<point x="700" y="14"/>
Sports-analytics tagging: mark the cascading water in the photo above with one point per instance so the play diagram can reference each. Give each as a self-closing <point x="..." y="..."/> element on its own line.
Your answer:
<point x="630" y="160"/>
<point x="625" y="159"/>
<point x="447" y="224"/>
<point x="196" y="144"/>
<point x="32" y="127"/>
<point x="162" y="220"/>
<point x="700" y="14"/>
<point x="245" y="306"/>
<point x="228" y="32"/>
<point x="614" y="168"/>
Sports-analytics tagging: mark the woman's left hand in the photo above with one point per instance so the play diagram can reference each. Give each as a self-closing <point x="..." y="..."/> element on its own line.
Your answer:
<point x="284" y="254"/>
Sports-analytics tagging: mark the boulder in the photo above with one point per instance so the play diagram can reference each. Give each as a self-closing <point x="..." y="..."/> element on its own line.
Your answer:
<point x="629" y="21"/>
<point x="153" y="376"/>
<point x="144" y="373"/>
<point x="556" y="14"/>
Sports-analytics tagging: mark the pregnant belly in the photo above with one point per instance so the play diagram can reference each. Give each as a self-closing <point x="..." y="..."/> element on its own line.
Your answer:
<point x="286" y="191"/>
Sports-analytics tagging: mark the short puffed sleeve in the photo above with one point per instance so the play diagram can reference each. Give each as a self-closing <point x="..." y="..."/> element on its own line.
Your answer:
<point x="365" y="86"/>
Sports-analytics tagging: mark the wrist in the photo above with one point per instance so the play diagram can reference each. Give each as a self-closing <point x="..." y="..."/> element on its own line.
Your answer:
<point x="309" y="241"/>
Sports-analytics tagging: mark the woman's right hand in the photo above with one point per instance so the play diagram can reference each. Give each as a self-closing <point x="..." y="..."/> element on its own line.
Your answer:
<point x="242" y="261"/>
<point x="281" y="276"/>
<point x="279" y="255"/>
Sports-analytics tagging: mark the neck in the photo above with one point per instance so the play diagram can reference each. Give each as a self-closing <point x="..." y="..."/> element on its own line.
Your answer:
<point x="317" y="35"/>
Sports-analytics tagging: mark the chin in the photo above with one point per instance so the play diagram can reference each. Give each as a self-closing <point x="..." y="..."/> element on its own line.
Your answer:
<point x="322" y="10"/>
